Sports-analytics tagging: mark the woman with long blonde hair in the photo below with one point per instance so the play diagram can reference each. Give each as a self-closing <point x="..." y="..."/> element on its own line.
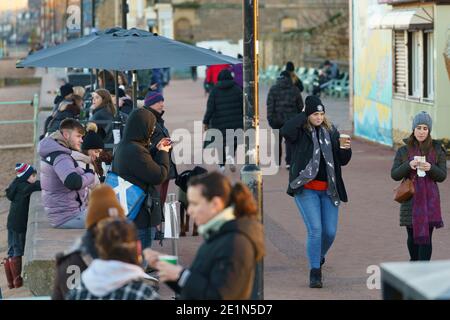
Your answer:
<point x="315" y="179"/>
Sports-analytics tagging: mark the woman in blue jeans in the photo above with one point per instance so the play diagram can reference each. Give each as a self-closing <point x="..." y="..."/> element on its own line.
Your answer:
<point x="315" y="179"/>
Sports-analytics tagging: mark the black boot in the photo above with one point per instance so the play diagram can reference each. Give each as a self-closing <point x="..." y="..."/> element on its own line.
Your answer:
<point x="322" y="262"/>
<point x="315" y="278"/>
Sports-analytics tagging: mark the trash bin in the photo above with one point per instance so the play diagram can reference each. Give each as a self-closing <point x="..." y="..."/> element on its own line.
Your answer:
<point x="419" y="280"/>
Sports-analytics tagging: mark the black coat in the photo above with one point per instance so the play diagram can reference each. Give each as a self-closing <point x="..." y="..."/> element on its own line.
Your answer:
<point x="69" y="111"/>
<point x="19" y="193"/>
<point x="104" y="120"/>
<point x="134" y="163"/>
<point x="301" y="138"/>
<point x="160" y="133"/>
<point x="225" y="107"/>
<point x="284" y="101"/>
<point x="224" y="267"/>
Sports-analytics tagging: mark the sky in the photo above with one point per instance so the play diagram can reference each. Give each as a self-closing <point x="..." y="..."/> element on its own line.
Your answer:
<point x="12" y="4"/>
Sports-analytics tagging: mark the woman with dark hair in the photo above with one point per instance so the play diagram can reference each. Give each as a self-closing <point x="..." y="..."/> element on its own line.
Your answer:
<point x="116" y="274"/>
<point x="423" y="160"/>
<point x="315" y="179"/>
<point x="295" y="79"/>
<point x="103" y="114"/>
<point x="105" y="80"/>
<point x="224" y="267"/>
<point x="225" y="112"/>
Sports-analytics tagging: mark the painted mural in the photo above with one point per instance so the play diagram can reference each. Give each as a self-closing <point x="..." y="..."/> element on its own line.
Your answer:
<point x="372" y="56"/>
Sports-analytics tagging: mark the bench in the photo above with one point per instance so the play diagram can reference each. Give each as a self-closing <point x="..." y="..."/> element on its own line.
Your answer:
<point x="43" y="242"/>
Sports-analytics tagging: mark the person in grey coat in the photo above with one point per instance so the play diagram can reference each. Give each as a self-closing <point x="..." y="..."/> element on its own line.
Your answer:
<point x="422" y="213"/>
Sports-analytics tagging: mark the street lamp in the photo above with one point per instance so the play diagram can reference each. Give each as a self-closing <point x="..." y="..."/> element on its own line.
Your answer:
<point x="251" y="173"/>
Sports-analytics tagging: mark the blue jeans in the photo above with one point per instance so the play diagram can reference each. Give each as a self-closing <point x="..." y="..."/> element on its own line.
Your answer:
<point x="16" y="243"/>
<point x="321" y="219"/>
<point x="77" y="222"/>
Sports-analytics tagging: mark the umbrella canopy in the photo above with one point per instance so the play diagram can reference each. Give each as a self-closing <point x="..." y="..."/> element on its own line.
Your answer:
<point x="121" y="49"/>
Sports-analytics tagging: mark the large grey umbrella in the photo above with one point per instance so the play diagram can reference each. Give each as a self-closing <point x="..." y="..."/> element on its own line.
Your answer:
<point x="120" y="49"/>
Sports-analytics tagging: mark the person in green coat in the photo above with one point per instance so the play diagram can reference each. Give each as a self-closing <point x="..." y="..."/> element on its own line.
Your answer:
<point x="422" y="213"/>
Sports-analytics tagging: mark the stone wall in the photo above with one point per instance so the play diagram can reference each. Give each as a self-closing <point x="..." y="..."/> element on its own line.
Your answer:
<point x="314" y="29"/>
<point x="309" y="47"/>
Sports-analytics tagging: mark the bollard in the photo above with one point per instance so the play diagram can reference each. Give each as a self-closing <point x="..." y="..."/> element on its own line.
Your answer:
<point x="171" y="222"/>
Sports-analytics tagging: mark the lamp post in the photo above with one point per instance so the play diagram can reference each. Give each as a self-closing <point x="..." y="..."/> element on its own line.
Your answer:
<point x="251" y="173"/>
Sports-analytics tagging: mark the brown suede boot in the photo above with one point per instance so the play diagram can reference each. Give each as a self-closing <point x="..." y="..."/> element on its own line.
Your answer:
<point x="8" y="271"/>
<point x="16" y="268"/>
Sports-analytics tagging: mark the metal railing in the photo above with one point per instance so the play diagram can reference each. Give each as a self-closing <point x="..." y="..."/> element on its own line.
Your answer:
<point x="33" y="121"/>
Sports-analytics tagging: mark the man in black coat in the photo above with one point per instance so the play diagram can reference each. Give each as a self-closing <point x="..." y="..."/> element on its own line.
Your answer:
<point x="134" y="163"/>
<point x="284" y="102"/>
<point x="154" y="102"/>
<point x="225" y="111"/>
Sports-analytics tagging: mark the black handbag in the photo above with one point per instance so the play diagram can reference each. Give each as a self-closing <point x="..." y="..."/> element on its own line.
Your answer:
<point x="153" y="206"/>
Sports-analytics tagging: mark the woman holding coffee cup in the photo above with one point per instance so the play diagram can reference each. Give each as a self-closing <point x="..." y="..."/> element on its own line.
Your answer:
<point x="224" y="268"/>
<point x="423" y="160"/>
<point x="315" y="178"/>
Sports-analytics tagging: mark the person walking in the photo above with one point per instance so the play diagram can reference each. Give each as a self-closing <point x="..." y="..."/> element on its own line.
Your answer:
<point x="19" y="193"/>
<point x="63" y="182"/>
<point x="224" y="267"/>
<point x="422" y="213"/>
<point x="284" y="101"/>
<point x="103" y="204"/>
<point x="116" y="274"/>
<point x="225" y="111"/>
<point x="315" y="179"/>
<point x="154" y="102"/>
<point x="134" y="163"/>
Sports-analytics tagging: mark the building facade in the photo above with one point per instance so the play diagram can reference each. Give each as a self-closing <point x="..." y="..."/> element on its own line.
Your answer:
<point x="400" y="66"/>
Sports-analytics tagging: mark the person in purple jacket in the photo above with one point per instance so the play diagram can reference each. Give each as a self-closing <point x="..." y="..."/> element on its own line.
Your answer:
<point x="63" y="182"/>
<point x="236" y="70"/>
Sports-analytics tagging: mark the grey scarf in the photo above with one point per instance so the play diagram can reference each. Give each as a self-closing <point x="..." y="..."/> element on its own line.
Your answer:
<point x="321" y="144"/>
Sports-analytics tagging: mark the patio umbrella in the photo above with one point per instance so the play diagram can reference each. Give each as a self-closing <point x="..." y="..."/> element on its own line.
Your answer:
<point x="121" y="49"/>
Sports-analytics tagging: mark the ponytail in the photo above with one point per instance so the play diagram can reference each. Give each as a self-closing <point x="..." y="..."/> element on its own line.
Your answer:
<point x="243" y="201"/>
<point x="216" y="184"/>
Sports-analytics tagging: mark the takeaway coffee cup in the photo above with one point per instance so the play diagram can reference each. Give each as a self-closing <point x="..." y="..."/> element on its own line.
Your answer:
<point x="343" y="139"/>
<point x="169" y="259"/>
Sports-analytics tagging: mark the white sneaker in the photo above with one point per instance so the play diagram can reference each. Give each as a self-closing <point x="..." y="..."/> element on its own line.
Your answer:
<point x="288" y="166"/>
<point x="230" y="161"/>
<point x="222" y="169"/>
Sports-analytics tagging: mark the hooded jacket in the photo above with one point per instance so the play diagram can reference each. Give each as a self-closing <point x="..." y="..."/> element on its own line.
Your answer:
<point x="19" y="193"/>
<point x="225" y="104"/>
<point x="134" y="163"/>
<point x="63" y="183"/>
<point x="284" y="102"/>
<point x="113" y="280"/>
<point x="224" y="267"/>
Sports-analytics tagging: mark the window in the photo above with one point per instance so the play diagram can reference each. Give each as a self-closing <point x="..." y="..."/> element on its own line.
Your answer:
<point x="414" y="64"/>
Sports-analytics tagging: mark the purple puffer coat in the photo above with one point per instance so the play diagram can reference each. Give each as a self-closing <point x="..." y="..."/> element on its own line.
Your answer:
<point x="60" y="203"/>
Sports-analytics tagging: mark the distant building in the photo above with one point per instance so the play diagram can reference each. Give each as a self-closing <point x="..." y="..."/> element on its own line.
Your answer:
<point x="400" y="66"/>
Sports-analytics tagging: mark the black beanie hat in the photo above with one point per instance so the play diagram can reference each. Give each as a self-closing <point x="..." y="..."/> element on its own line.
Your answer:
<point x="66" y="89"/>
<point x="290" y="66"/>
<point x="313" y="104"/>
<point x="92" y="140"/>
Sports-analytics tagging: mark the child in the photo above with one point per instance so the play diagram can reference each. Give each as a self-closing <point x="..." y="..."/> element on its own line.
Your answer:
<point x="19" y="193"/>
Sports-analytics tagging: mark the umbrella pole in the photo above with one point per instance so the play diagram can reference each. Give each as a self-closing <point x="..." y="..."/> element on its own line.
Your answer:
<point x="116" y="90"/>
<point x="135" y="84"/>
